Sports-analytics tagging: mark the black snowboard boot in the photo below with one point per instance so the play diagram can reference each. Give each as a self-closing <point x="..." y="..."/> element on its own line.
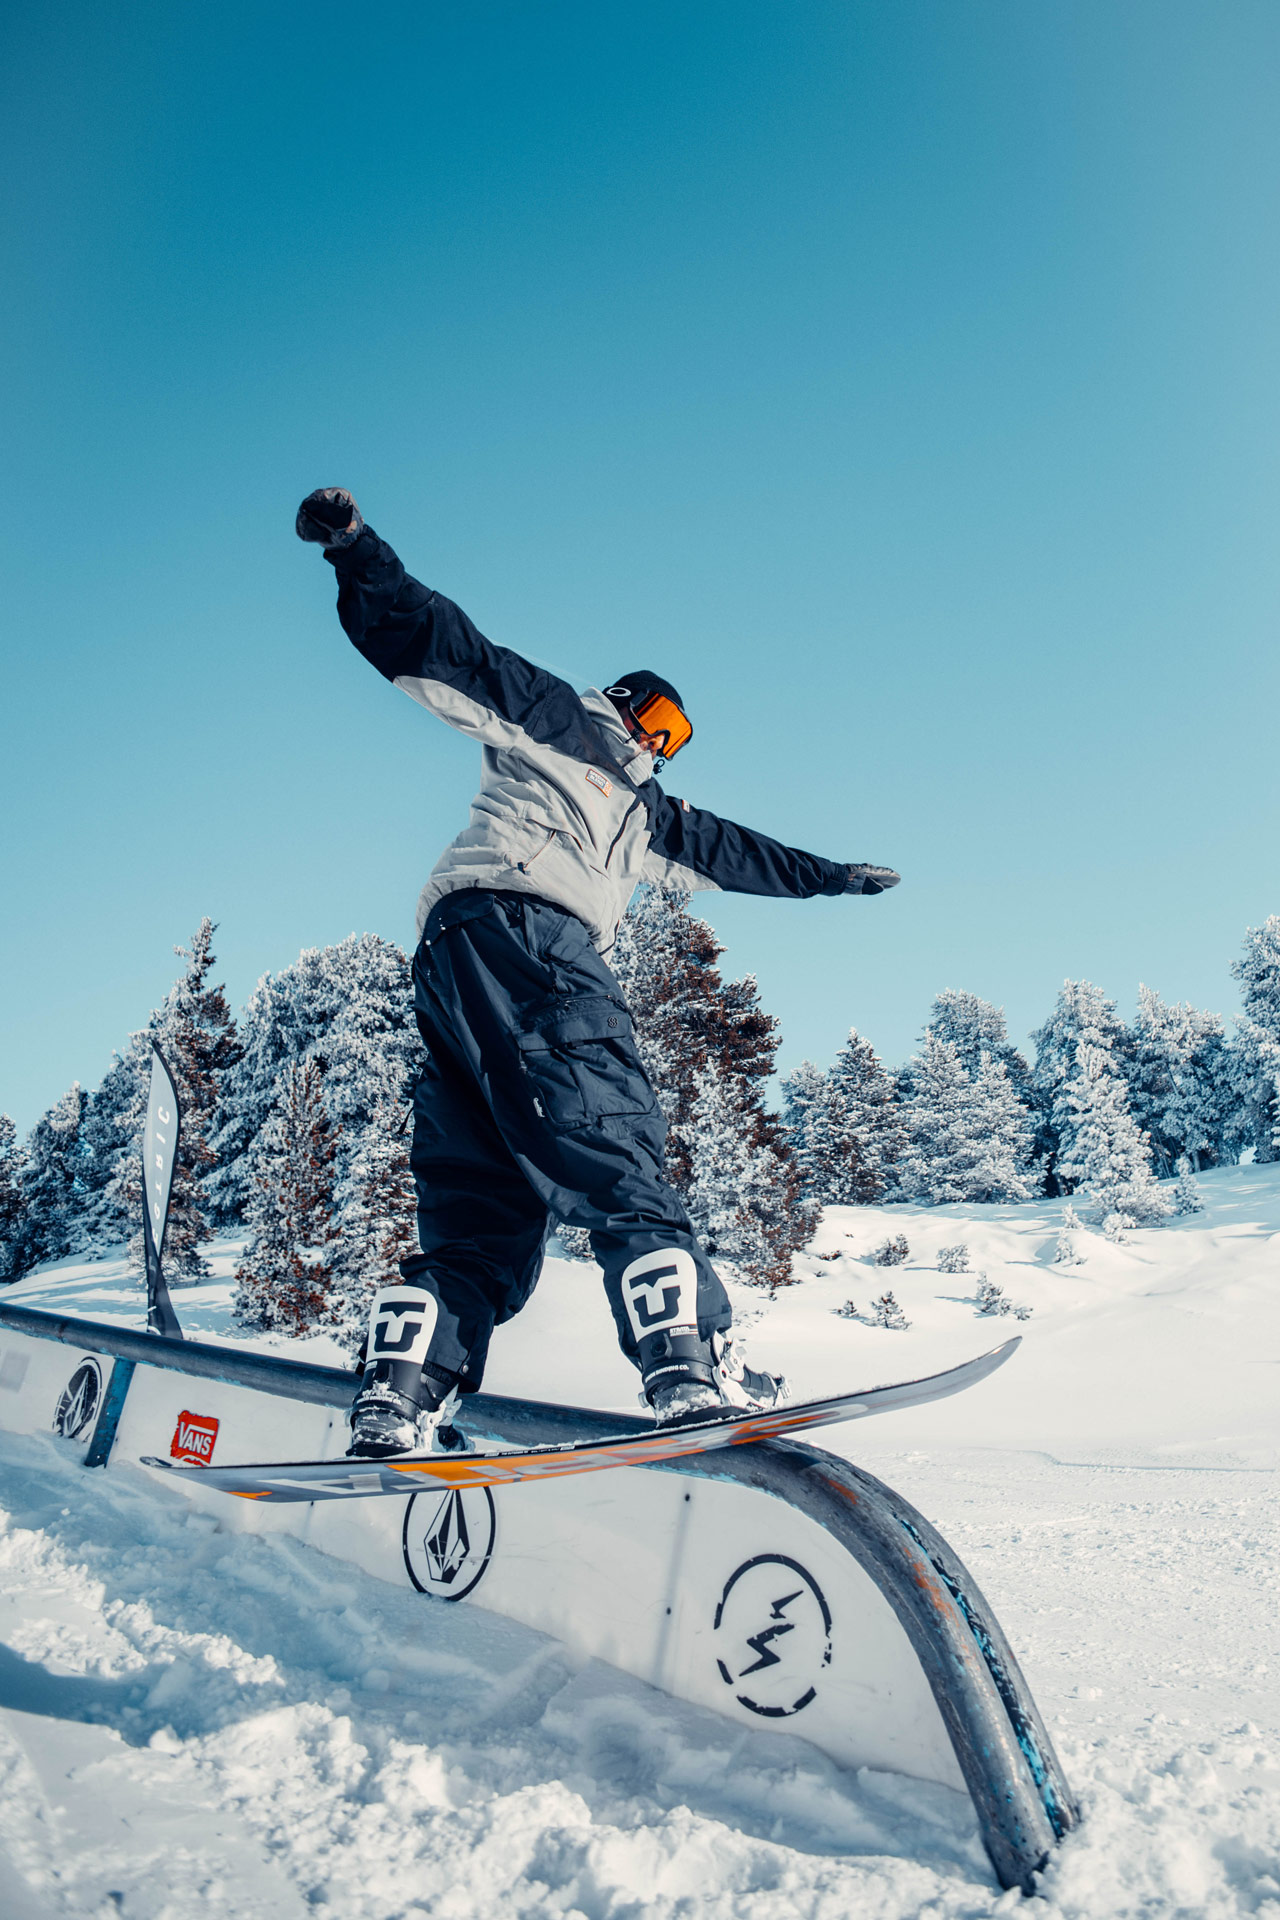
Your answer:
<point x="402" y="1405"/>
<point x="688" y="1378"/>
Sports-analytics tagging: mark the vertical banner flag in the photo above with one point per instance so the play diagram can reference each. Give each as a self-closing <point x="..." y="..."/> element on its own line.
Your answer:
<point x="159" y="1148"/>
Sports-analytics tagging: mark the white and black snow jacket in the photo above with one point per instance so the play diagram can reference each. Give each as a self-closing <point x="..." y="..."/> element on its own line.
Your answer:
<point x="567" y="809"/>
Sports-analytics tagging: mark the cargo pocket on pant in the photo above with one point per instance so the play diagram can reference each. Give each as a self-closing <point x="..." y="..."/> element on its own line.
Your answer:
<point x="581" y="1063"/>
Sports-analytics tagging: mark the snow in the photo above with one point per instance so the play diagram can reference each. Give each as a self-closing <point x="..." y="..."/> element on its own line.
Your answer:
<point x="193" y="1720"/>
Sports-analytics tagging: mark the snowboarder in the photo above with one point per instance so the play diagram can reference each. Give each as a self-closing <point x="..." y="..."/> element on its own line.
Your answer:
<point x="533" y="1105"/>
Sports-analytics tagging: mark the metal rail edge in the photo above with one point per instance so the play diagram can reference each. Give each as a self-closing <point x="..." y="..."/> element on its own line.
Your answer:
<point x="1021" y="1797"/>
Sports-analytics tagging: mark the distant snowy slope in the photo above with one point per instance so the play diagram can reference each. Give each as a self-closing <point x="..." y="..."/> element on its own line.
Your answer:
<point x="1166" y="1348"/>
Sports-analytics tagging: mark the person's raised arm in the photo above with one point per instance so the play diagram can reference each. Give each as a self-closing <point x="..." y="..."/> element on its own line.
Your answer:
<point x="700" y="850"/>
<point x="426" y="646"/>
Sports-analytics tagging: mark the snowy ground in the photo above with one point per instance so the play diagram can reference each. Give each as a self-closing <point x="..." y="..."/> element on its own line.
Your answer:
<point x="195" y="1721"/>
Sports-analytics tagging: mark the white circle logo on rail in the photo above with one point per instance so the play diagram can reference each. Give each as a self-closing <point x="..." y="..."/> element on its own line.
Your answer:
<point x="772" y="1635"/>
<point x="448" y="1540"/>
<point x="79" y="1401"/>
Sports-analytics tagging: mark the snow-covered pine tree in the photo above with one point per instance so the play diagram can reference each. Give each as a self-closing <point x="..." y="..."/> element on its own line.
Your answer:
<point x="285" y="1275"/>
<point x="1005" y="1124"/>
<point x="969" y="1136"/>
<point x="200" y="1044"/>
<point x="846" y="1126"/>
<point x="1083" y="1015"/>
<point x="978" y="1031"/>
<point x="688" y="1020"/>
<point x="992" y="1300"/>
<point x="106" y="1140"/>
<point x="1064" y="1252"/>
<point x="1179" y="1091"/>
<point x="885" y="1312"/>
<point x="1101" y="1148"/>
<point x="735" y="1198"/>
<point x="875" y="1117"/>
<point x="11" y="1208"/>
<point x="49" y="1178"/>
<point x="197" y="1035"/>
<point x="1255" y="1056"/>
<point x="349" y="1005"/>
<point x="377" y="1223"/>
<point x="940" y="1146"/>
<point x="1186" y="1190"/>
<point x="805" y="1090"/>
<point x="76" y="1168"/>
<point x="665" y="962"/>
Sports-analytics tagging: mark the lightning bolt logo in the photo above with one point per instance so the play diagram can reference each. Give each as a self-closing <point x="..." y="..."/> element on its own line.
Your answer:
<point x="759" y="1642"/>
<point x="790" y="1676"/>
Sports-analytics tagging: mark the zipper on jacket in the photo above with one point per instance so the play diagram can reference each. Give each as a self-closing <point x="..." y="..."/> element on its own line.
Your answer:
<point x="523" y="866"/>
<point x="621" y="830"/>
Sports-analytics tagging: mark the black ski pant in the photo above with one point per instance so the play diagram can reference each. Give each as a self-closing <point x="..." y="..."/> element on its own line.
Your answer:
<point x="534" y="1107"/>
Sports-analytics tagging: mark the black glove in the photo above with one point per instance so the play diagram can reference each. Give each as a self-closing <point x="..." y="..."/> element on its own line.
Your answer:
<point x="330" y="517"/>
<point x="867" y="879"/>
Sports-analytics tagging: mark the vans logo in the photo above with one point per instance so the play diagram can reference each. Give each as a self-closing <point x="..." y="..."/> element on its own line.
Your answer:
<point x="193" y="1438"/>
<point x="598" y="780"/>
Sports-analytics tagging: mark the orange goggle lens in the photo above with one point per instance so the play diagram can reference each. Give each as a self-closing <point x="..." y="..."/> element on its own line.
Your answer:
<point x="662" y="717"/>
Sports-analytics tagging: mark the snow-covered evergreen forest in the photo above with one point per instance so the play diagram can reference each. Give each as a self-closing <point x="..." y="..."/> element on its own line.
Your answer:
<point x="296" y="1117"/>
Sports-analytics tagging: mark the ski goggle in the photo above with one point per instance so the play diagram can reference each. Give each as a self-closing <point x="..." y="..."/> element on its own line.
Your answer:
<point x="653" y="713"/>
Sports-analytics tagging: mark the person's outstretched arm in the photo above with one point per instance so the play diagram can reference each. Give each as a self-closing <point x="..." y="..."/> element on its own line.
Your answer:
<point x="426" y="646"/>
<point x="700" y="850"/>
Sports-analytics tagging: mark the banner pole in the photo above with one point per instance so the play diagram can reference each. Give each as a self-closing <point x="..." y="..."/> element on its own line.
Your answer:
<point x="159" y="1152"/>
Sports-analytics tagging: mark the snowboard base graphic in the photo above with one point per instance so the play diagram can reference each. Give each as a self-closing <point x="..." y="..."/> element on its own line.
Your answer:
<point x="364" y="1479"/>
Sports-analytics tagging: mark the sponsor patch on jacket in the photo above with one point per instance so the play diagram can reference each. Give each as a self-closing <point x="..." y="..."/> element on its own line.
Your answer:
<point x="193" y="1437"/>
<point x="598" y="780"/>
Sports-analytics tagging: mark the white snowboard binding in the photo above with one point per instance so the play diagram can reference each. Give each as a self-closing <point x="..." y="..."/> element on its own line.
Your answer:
<point x="717" y="1383"/>
<point x="383" y="1424"/>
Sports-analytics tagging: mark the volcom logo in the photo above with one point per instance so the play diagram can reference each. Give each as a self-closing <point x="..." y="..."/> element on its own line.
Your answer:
<point x="401" y="1325"/>
<point x="448" y="1543"/>
<point x="74" y="1412"/>
<point x="772" y="1635"/>
<point x="661" y="1290"/>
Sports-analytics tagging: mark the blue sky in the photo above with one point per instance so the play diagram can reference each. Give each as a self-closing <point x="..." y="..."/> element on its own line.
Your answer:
<point x="900" y="378"/>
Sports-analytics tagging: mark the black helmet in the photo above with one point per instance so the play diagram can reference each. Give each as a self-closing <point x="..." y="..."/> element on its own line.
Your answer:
<point x="651" y="705"/>
<point x="632" y="687"/>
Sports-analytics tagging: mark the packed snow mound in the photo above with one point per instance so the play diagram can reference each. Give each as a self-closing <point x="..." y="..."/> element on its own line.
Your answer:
<point x="243" y="1725"/>
<point x="192" y="1719"/>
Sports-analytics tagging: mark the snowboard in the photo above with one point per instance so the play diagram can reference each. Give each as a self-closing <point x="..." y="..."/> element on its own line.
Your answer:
<point x="361" y="1479"/>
